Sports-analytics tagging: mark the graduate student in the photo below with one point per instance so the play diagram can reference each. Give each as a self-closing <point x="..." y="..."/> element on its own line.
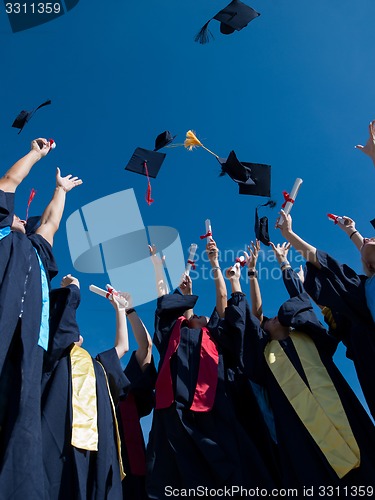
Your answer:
<point x="26" y="268"/>
<point x="81" y="441"/>
<point x="134" y="402"/>
<point x="196" y="439"/>
<point x="347" y="294"/>
<point x="325" y="437"/>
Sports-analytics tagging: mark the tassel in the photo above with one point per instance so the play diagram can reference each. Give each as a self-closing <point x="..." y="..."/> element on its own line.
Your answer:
<point x="31" y="197"/>
<point x="149" y="200"/>
<point x="192" y="142"/>
<point x="204" y="35"/>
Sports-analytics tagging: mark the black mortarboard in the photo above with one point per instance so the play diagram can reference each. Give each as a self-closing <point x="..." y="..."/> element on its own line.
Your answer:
<point x="252" y="178"/>
<point x="233" y="17"/>
<point x="148" y="163"/>
<point x="163" y="140"/>
<point x="25" y="116"/>
<point x="261" y="225"/>
<point x="372" y="222"/>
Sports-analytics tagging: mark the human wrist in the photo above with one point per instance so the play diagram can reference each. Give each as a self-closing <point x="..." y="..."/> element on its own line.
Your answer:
<point x="351" y="234"/>
<point x="214" y="263"/>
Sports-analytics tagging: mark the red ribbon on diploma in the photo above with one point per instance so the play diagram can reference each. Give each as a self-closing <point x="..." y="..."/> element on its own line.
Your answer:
<point x="287" y="199"/>
<point x="242" y="262"/>
<point x="192" y="263"/>
<point x="207" y="235"/>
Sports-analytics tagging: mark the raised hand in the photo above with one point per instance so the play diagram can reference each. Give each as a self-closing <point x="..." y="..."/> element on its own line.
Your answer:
<point x="69" y="280"/>
<point x="369" y="147"/>
<point x="186" y="285"/>
<point x="68" y="182"/>
<point x="281" y="251"/>
<point x="252" y="256"/>
<point x="41" y="146"/>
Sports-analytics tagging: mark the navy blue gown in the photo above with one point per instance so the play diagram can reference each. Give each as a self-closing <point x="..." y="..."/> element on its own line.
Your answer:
<point x="302" y="462"/>
<point x="189" y="448"/>
<point x="71" y="472"/>
<point x="341" y="289"/>
<point x="21" y="467"/>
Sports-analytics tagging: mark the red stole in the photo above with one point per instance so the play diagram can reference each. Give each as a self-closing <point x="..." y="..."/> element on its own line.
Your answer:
<point x="133" y="435"/>
<point x="205" y="390"/>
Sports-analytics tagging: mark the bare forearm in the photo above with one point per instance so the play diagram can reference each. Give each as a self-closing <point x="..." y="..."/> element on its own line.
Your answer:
<point x="221" y="289"/>
<point x="235" y="285"/>
<point x="17" y="173"/>
<point x="122" y="339"/>
<point x="143" y="339"/>
<point x="256" y="298"/>
<point x="305" y="249"/>
<point x="161" y="285"/>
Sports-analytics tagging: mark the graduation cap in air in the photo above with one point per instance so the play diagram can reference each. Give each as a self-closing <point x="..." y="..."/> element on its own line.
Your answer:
<point x="252" y="178"/>
<point x="372" y="222"/>
<point x="234" y="17"/>
<point x="261" y="224"/>
<point x="163" y="140"/>
<point x="25" y="116"/>
<point x="148" y="163"/>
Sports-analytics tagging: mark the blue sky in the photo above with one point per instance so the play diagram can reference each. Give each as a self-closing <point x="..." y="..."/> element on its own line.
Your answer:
<point x="295" y="89"/>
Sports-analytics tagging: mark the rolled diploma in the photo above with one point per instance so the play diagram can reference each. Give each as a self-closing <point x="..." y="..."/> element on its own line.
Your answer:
<point x="107" y="295"/>
<point x="293" y="195"/>
<point x="239" y="262"/>
<point x="192" y="251"/>
<point x="208" y="227"/>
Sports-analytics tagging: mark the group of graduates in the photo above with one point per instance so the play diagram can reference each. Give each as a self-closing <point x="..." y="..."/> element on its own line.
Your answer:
<point x="239" y="400"/>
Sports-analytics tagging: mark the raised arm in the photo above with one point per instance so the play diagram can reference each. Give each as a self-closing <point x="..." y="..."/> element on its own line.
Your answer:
<point x="122" y="338"/>
<point x="305" y="249"/>
<point x="186" y="287"/>
<point x="255" y="295"/>
<point x="369" y="147"/>
<point x="21" y="169"/>
<point x="158" y="263"/>
<point x="349" y="228"/>
<point x="292" y="280"/>
<point x="143" y="353"/>
<point x="233" y="274"/>
<point x="52" y="215"/>
<point x="220" y="287"/>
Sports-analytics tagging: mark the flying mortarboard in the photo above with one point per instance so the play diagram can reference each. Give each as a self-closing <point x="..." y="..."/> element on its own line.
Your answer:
<point x="234" y="17"/>
<point x="25" y="116"/>
<point x="372" y="222"/>
<point x="163" y="140"/>
<point x="261" y="224"/>
<point x="252" y="178"/>
<point x="148" y="163"/>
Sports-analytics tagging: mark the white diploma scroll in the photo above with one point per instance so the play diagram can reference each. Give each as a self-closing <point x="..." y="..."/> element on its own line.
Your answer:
<point x="190" y="262"/>
<point x="208" y="227"/>
<point x="293" y="196"/>
<point x="108" y="295"/>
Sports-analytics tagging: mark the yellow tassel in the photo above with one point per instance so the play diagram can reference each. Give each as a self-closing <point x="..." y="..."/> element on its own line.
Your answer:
<point x="191" y="140"/>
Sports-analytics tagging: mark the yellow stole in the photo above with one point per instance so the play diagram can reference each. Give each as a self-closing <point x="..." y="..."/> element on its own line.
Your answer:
<point x="85" y="417"/>
<point x="319" y="408"/>
<point x="84" y="403"/>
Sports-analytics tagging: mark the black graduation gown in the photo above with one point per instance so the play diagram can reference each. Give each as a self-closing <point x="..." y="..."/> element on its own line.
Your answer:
<point x="343" y="291"/>
<point x="302" y="462"/>
<point x="188" y="449"/>
<point x="250" y="399"/>
<point x="141" y="389"/>
<point x="71" y="472"/>
<point x="21" y="468"/>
